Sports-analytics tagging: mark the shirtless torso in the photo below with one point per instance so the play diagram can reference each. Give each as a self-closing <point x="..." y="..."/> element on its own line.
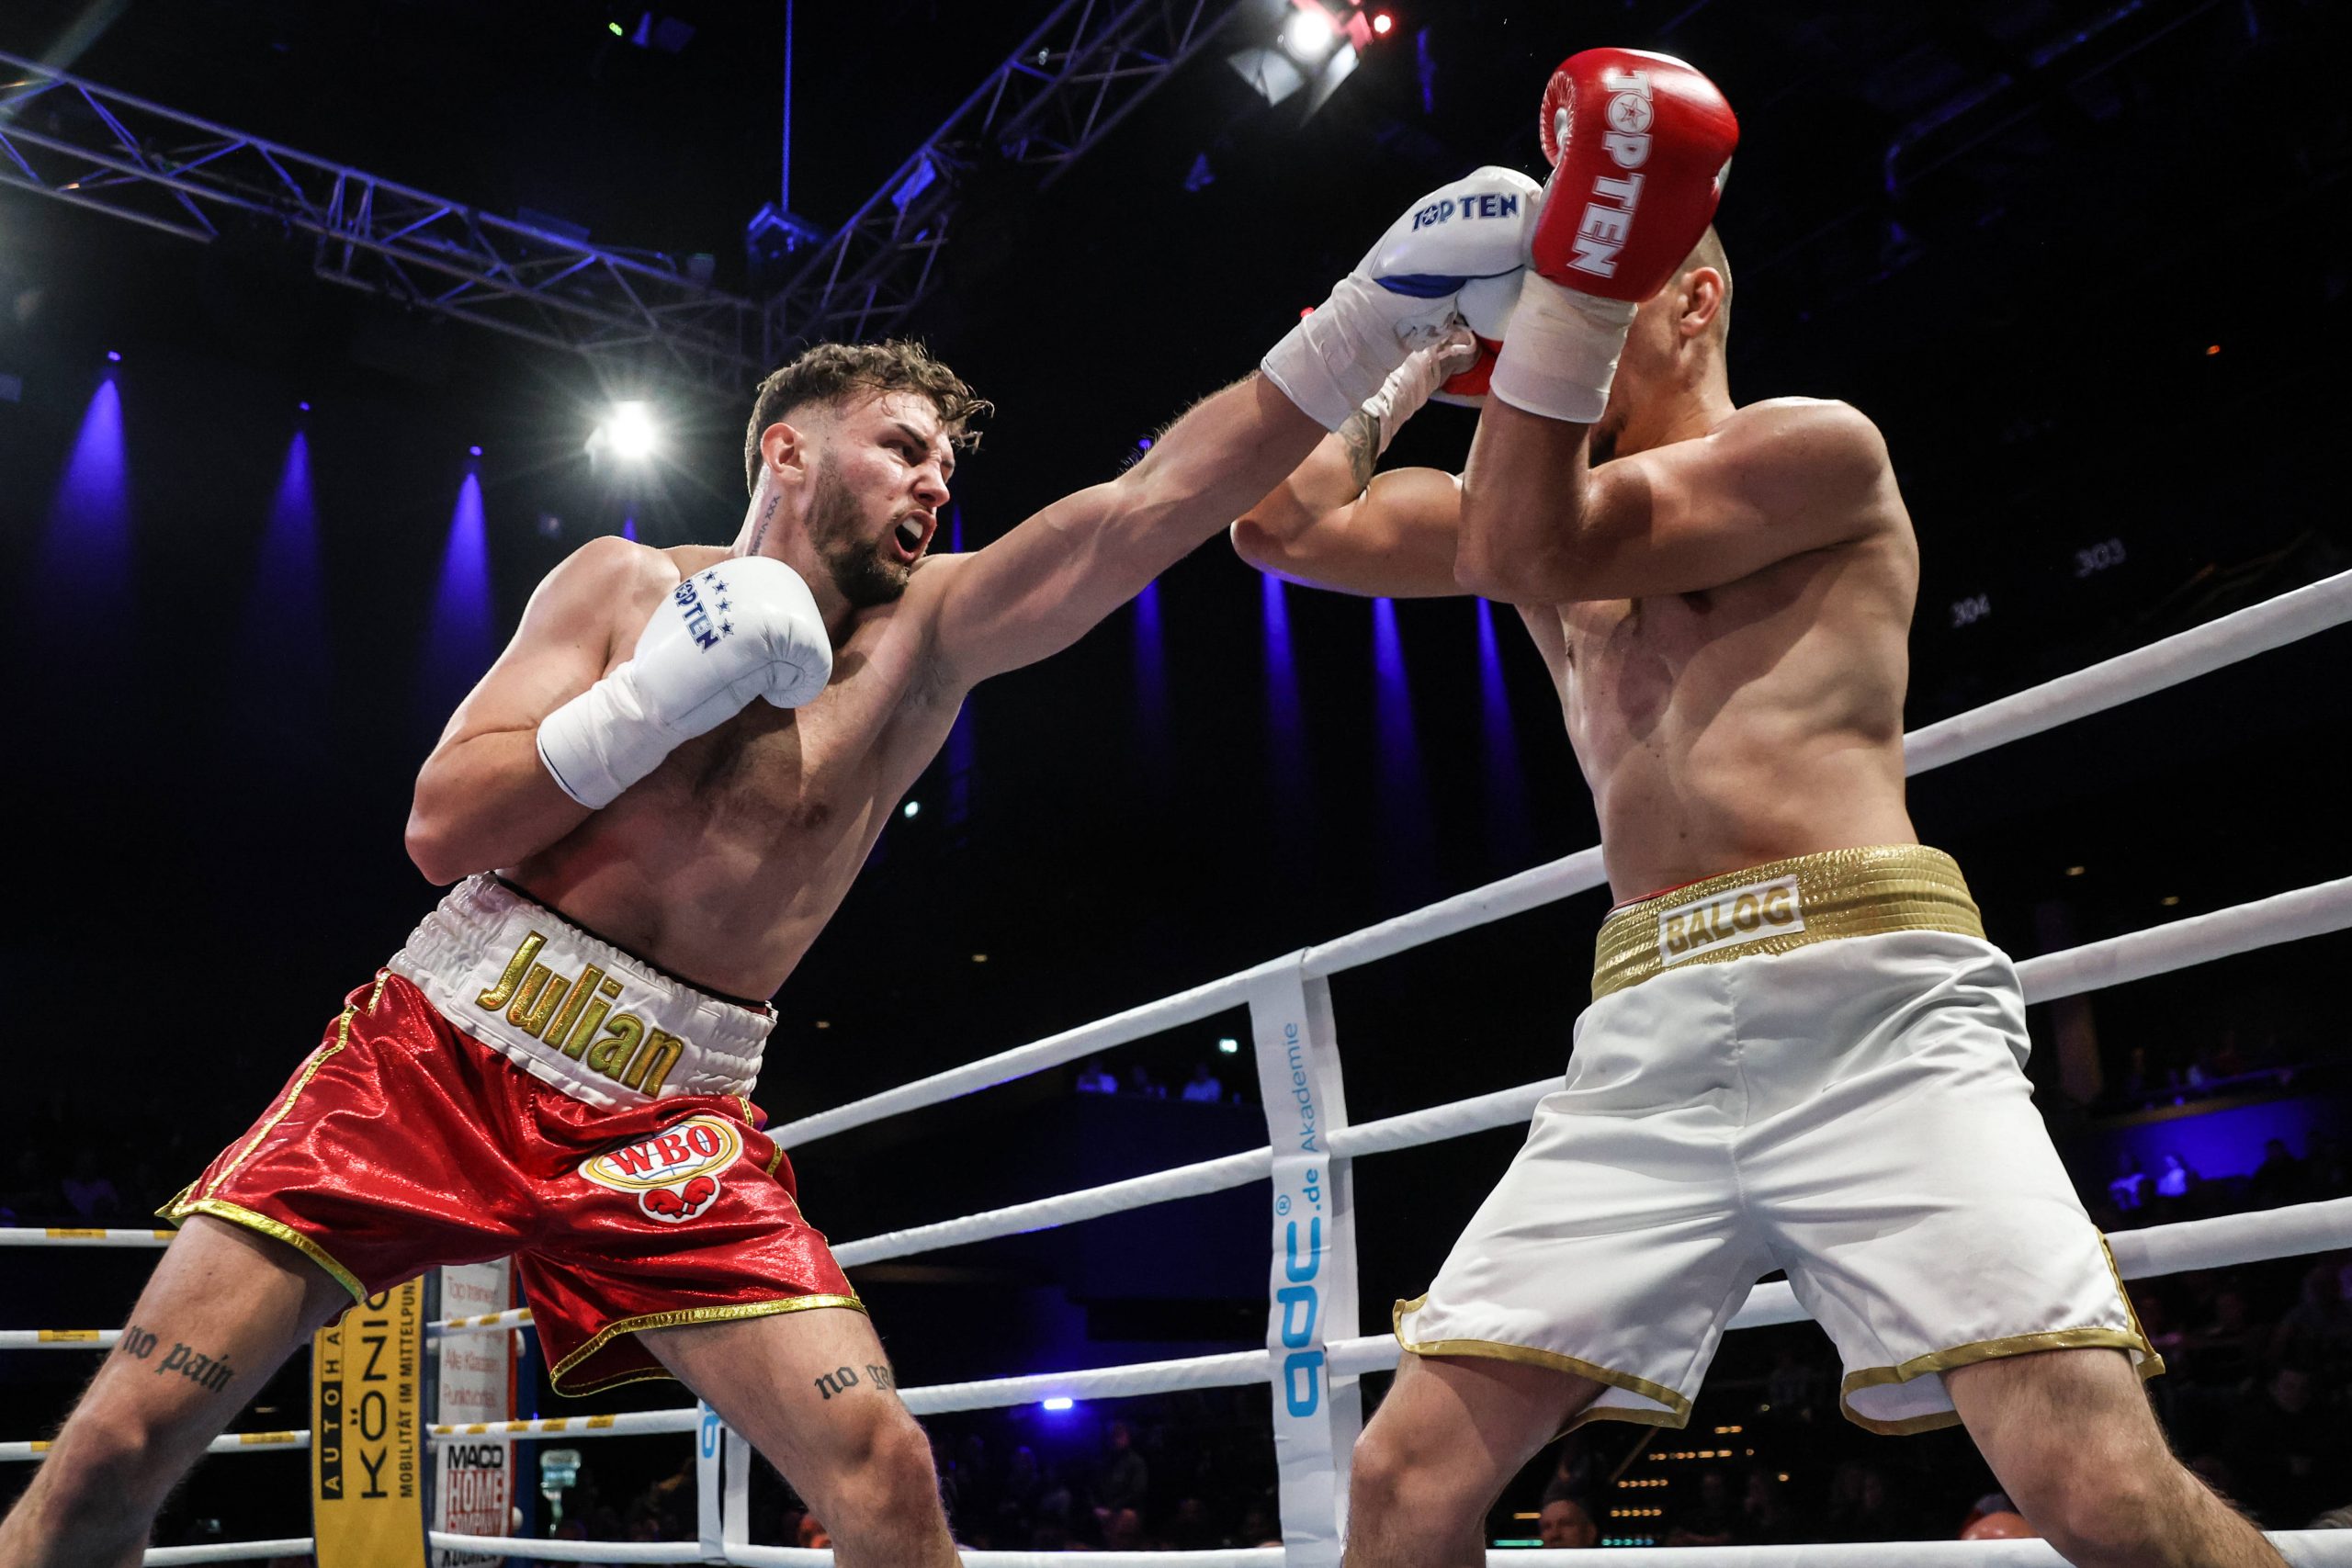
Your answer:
<point x="1734" y="696"/>
<point x="726" y="863"/>
<point x="723" y="864"/>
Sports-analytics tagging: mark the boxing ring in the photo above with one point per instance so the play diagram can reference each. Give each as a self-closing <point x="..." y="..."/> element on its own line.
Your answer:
<point x="1315" y="1357"/>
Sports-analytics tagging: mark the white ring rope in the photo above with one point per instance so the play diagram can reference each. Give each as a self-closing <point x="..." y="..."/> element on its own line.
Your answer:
<point x="70" y="1236"/>
<point x="2302" y="1549"/>
<point x="2299" y="612"/>
<point x="2136" y="955"/>
<point x="227" y="1552"/>
<point x="2295" y="1230"/>
<point x="629" y="1424"/>
<point x="226" y="1443"/>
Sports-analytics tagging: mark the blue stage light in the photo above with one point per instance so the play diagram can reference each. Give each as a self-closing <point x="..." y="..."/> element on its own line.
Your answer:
<point x="1507" y="830"/>
<point x="88" y="539"/>
<point x="1056" y="1405"/>
<point x="461" y="639"/>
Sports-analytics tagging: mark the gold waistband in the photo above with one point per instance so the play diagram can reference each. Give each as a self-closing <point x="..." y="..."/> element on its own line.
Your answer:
<point x="1781" y="904"/>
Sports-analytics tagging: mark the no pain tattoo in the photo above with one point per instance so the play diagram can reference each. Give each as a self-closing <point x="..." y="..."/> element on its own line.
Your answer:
<point x="211" y="1373"/>
<point x="841" y="1379"/>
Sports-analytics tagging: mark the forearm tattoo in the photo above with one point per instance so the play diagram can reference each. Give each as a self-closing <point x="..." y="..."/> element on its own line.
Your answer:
<point x="1359" y="433"/>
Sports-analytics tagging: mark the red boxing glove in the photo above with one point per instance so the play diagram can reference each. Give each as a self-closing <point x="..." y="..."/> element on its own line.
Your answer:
<point x="1640" y="143"/>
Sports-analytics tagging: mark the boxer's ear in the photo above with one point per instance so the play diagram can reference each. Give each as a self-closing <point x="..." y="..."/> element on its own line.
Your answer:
<point x="786" y="451"/>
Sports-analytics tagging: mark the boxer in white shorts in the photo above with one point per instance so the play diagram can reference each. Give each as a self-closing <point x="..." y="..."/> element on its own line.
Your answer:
<point x="1802" y="1054"/>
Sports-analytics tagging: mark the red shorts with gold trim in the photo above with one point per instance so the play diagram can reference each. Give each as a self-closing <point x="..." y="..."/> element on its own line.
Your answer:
<point x="403" y="1143"/>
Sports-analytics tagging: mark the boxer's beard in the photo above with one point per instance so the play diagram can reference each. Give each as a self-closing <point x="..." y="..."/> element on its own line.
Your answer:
<point x="837" y="528"/>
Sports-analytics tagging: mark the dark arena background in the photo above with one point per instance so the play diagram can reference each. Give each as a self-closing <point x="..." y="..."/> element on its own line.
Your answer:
<point x="272" y="501"/>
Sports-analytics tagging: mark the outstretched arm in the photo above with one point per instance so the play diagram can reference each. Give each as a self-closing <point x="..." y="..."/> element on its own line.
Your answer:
<point x="1541" y="525"/>
<point x="1334" y="525"/>
<point x="1042" y="586"/>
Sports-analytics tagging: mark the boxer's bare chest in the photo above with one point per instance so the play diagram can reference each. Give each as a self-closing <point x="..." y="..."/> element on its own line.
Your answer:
<point x="725" y="862"/>
<point x="1741" y="723"/>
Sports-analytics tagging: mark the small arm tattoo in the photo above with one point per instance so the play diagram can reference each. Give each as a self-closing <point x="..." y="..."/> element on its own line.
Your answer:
<point x="1361" y="434"/>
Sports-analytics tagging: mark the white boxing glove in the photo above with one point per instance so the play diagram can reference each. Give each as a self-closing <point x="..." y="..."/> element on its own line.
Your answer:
<point x="1404" y="294"/>
<point x="743" y="629"/>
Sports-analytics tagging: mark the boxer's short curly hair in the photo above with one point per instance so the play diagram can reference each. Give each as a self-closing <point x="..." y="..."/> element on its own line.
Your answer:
<point x="831" y="372"/>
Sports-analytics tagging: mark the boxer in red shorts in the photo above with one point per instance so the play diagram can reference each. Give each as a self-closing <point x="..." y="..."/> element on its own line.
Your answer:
<point x="651" y="805"/>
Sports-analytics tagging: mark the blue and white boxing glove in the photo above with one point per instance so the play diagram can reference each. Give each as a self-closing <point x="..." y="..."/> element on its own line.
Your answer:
<point x="1405" y="293"/>
<point x="742" y="630"/>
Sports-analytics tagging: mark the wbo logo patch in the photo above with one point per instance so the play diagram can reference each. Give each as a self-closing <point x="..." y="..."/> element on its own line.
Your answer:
<point x="674" y="1174"/>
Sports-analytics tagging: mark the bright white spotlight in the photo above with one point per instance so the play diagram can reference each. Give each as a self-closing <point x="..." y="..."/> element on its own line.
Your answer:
<point x="630" y="432"/>
<point x="1309" y="34"/>
<point x="911" y="808"/>
<point x="1057" y="1403"/>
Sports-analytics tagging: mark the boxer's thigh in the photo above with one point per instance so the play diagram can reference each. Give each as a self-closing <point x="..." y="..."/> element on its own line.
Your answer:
<point x="812" y="1391"/>
<point x="220" y="1313"/>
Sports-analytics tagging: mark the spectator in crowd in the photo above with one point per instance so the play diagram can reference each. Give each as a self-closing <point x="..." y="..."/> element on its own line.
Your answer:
<point x="2128" y="1190"/>
<point x="2279" y="1179"/>
<point x="88" y="1191"/>
<point x="1095" y="1078"/>
<point x="1565" y="1524"/>
<point x="1793" y="1391"/>
<point x="1140" y="1081"/>
<point x="1862" y="1506"/>
<point x="2176" y="1178"/>
<point x="1712" y="1520"/>
<point x="1204" y="1085"/>
<point x="2331" y="1173"/>
<point x="2317" y="1332"/>
<point x="1765" y="1516"/>
<point x="2288" y="1450"/>
<point x="1188" y="1529"/>
<point x="1126" y="1477"/>
<point x="1576" y="1473"/>
<point x="32" y="1196"/>
<point x="2228" y="1350"/>
<point x="1122" y="1530"/>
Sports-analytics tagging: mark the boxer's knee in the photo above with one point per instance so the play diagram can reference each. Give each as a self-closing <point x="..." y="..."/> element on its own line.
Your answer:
<point x="106" y="1474"/>
<point x="1402" y="1485"/>
<point x="883" y="1483"/>
<point x="2095" y="1516"/>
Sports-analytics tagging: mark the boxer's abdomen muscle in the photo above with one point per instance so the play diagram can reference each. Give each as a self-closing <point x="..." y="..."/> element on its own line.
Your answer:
<point x="1752" y="722"/>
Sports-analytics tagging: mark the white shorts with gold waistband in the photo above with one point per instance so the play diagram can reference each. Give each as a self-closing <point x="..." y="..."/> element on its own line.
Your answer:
<point x="1815" y="1065"/>
<point x="573" y="1011"/>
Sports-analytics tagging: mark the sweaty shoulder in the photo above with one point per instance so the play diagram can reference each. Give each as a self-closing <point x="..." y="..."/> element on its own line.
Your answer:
<point x="603" y="584"/>
<point x="1806" y="452"/>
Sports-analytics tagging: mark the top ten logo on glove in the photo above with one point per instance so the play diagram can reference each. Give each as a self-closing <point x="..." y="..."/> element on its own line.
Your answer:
<point x="675" y="1173"/>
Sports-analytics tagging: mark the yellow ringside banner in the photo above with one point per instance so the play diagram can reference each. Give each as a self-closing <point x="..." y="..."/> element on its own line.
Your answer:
<point x="366" y="1449"/>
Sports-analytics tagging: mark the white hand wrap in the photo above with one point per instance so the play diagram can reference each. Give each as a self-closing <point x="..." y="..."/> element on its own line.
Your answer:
<point x="743" y="629"/>
<point x="1562" y="352"/>
<point x="1411" y="384"/>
